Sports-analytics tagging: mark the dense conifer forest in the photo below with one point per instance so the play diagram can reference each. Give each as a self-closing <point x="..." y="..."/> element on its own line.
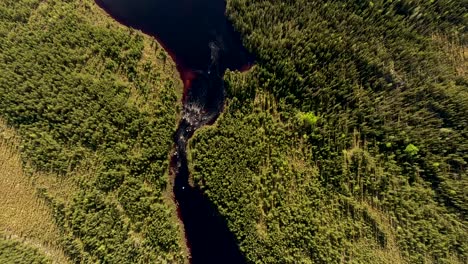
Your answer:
<point x="95" y="104"/>
<point x="346" y="142"/>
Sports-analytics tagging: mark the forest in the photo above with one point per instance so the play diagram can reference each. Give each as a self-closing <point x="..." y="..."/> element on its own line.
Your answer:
<point x="346" y="142"/>
<point x="95" y="104"/>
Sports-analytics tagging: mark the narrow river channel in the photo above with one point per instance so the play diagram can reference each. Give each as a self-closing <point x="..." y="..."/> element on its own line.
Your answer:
<point x="203" y="43"/>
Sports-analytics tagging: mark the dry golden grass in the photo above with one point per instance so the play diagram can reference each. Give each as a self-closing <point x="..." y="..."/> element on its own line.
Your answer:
<point x="24" y="217"/>
<point x="456" y="51"/>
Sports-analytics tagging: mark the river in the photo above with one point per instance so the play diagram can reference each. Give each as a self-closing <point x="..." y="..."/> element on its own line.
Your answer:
<point x="203" y="43"/>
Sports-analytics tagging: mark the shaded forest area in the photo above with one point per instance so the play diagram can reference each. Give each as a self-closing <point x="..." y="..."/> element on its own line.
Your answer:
<point x="95" y="104"/>
<point x="348" y="141"/>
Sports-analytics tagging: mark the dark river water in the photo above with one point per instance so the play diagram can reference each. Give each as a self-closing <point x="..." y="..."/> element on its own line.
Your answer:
<point x="203" y="43"/>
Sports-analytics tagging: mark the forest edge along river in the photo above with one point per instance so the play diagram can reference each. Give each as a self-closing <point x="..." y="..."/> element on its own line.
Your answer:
<point x="203" y="43"/>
